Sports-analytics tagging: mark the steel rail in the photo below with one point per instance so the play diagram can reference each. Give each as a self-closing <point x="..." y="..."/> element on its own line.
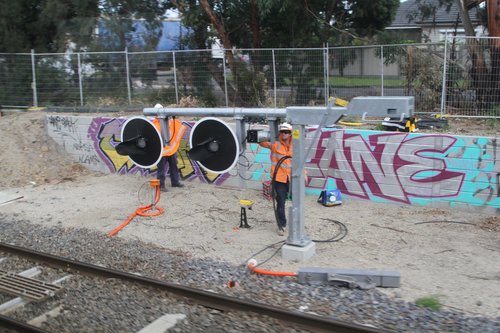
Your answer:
<point x="19" y="326"/>
<point x="205" y="298"/>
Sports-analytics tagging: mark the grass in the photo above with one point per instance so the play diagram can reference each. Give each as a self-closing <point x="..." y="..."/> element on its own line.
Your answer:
<point x="348" y="82"/>
<point x="353" y="82"/>
<point x="431" y="302"/>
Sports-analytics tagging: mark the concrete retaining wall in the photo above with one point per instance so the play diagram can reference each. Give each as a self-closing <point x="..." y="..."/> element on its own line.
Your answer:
<point x="390" y="167"/>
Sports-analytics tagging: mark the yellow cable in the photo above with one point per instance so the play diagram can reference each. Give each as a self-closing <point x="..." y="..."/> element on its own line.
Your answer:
<point x="350" y="123"/>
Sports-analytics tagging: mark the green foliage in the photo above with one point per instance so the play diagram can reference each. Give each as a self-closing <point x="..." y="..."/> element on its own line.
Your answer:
<point x="422" y="70"/>
<point x="15" y="79"/>
<point x="293" y="24"/>
<point x="372" y="16"/>
<point x="55" y="26"/>
<point x="393" y="54"/>
<point x="341" y="58"/>
<point x="197" y="81"/>
<point x="55" y="84"/>
<point x="429" y="302"/>
<point x="353" y="82"/>
<point x="283" y="24"/>
<point x="426" y="10"/>
<point x="165" y="96"/>
<point x="249" y="83"/>
<point x="118" y="20"/>
<point x="106" y="101"/>
<point x="195" y="18"/>
<point x="208" y="98"/>
<point x="494" y="123"/>
<point x="301" y="71"/>
<point x="45" y="25"/>
<point x="15" y="32"/>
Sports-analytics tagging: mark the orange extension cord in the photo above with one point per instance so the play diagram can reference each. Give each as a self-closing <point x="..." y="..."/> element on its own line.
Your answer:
<point x="143" y="210"/>
<point x="252" y="263"/>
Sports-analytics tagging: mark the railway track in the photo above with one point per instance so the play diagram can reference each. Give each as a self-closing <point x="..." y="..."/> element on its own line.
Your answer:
<point x="216" y="302"/>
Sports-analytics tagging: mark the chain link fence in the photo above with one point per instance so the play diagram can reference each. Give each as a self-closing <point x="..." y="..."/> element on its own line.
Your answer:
<point x="458" y="76"/>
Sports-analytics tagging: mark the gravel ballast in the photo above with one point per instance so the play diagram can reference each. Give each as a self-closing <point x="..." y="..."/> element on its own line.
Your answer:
<point x="135" y="309"/>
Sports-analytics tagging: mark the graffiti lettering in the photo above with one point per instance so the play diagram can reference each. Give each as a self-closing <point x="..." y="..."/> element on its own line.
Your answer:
<point x="81" y="146"/>
<point x="421" y="174"/>
<point x="391" y="166"/>
<point x="88" y="159"/>
<point x="59" y="123"/>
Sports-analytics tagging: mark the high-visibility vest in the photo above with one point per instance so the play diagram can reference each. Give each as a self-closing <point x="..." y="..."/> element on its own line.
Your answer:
<point x="176" y="130"/>
<point x="280" y="149"/>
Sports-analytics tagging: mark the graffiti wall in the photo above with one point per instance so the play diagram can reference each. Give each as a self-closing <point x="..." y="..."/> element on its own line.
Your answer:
<point x="389" y="167"/>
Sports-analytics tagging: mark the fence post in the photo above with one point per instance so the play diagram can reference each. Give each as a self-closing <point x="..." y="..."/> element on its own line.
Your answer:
<point x="175" y="79"/>
<point x="274" y="77"/>
<point x="445" y="61"/>
<point x="128" y="77"/>
<point x="326" y="73"/>
<point x="33" y="83"/>
<point x="225" y="78"/>
<point x="382" y="70"/>
<point x="80" y="78"/>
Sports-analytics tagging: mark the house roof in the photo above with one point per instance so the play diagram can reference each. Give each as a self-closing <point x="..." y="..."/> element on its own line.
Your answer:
<point x="408" y="14"/>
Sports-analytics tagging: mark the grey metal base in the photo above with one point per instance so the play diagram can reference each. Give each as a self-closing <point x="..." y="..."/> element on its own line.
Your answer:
<point x="298" y="253"/>
<point x="321" y="275"/>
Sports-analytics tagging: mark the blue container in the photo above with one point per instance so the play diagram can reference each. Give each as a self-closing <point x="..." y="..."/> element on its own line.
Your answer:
<point x="330" y="198"/>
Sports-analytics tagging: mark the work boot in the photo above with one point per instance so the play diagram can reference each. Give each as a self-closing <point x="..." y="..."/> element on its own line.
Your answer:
<point x="163" y="189"/>
<point x="178" y="185"/>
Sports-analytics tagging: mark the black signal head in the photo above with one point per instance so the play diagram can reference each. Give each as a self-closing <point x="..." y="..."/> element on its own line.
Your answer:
<point x="213" y="145"/>
<point x="141" y="142"/>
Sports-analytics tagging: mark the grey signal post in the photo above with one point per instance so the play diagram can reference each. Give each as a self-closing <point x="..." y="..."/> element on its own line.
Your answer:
<point x="298" y="246"/>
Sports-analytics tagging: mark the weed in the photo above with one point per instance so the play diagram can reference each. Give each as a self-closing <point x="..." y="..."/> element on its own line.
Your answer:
<point x="429" y="302"/>
<point x="493" y="123"/>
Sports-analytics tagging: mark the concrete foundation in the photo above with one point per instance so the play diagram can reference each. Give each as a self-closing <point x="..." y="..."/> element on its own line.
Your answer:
<point x="298" y="253"/>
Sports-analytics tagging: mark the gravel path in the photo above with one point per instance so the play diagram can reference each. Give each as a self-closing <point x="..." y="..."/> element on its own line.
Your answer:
<point x="449" y="254"/>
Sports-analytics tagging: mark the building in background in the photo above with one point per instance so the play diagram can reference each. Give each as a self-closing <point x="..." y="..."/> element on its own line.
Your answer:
<point x="409" y="23"/>
<point x="167" y="38"/>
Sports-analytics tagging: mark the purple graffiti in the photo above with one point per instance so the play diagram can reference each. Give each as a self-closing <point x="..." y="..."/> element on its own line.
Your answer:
<point x="390" y="166"/>
<point x="101" y="129"/>
<point x="104" y="133"/>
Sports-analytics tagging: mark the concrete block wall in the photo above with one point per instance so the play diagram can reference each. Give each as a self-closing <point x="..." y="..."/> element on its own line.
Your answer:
<point x="391" y="167"/>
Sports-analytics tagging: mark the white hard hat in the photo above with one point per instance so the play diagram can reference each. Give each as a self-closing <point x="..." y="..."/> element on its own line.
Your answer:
<point x="158" y="106"/>
<point x="285" y="127"/>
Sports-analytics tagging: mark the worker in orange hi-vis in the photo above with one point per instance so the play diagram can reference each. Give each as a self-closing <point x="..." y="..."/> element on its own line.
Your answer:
<point x="176" y="130"/>
<point x="281" y="153"/>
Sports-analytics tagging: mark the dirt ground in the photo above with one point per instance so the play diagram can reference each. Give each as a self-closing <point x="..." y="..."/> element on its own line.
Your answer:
<point x="449" y="254"/>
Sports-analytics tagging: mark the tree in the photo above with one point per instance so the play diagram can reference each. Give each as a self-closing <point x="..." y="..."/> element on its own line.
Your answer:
<point x="279" y="24"/>
<point x="493" y="12"/>
<point x="44" y="25"/>
<point x="485" y="74"/>
<point x="123" y="20"/>
<point x="484" y="71"/>
<point x="62" y="25"/>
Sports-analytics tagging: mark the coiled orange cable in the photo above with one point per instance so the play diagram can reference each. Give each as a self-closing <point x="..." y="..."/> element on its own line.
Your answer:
<point x="143" y="210"/>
